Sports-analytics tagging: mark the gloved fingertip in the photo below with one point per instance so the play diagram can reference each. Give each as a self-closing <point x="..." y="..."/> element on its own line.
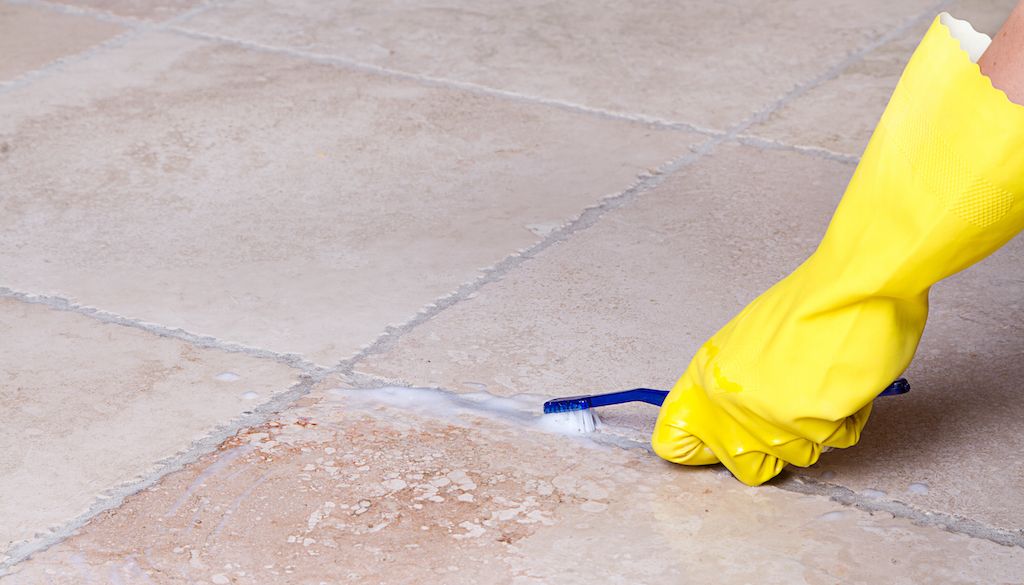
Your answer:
<point x="679" y="446"/>
<point x="847" y="434"/>
<point x="754" y="468"/>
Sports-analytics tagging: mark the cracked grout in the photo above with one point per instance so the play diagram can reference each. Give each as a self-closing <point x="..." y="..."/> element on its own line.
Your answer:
<point x="801" y="484"/>
<point x="135" y="28"/>
<point x="172" y="26"/>
<point x="762" y="143"/>
<point x="114" y="497"/>
<point x="591" y="215"/>
<point x="793" y="482"/>
<point x="60" y="63"/>
<point x="292" y="360"/>
<point x="442" y="82"/>
<point x="587" y="218"/>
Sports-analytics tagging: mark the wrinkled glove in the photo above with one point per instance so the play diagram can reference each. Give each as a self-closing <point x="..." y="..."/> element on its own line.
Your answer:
<point x="937" y="190"/>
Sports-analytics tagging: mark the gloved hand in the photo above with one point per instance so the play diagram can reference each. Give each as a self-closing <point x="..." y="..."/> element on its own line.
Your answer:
<point x="938" y="189"/>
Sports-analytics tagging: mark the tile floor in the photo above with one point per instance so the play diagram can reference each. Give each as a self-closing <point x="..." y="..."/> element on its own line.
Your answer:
<point x="283" y="285"/>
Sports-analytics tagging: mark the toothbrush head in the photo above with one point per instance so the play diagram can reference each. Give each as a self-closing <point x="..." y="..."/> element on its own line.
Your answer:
<point x="572" y="403"/>
<point x="571" y="421"/>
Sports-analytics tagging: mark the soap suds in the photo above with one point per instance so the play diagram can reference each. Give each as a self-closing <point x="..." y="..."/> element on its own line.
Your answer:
<point x="918" y="488"/>
<point x="522" y="409"/>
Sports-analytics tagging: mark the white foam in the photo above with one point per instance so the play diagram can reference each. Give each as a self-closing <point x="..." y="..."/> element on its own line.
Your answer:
<point x="521" y="409"/>
<point x="918" y="488"/>
<point x="832" y="516"/>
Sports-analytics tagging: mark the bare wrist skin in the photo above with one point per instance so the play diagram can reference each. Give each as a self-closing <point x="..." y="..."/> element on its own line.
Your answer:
<point x="1003" y="61"/>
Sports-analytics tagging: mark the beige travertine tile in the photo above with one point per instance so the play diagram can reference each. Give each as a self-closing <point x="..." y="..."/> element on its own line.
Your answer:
<point x="144" y="9"/>
<point x="706" y="63"/>
<point x="346" y="489"/>
<point x="88" y="406"/>
<point x="955" y="443"/>
<point x="33" y="37"/>
<point x="627" y="302"/>
<point x="841" y="114"/>
<point x="282" y="203"/>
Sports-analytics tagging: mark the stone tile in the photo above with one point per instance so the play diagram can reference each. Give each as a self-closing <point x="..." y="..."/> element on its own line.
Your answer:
<point x="627" y="302"/>
<point x="31" y="37"/>
<point x="88" y="407"/>
<point x="351" y="487"/>
<point x="710" y="64"/>
<point x="955" y="443"/>
<point x="282" y="203"/>
<point x="142" y="9"/>
<point x="840" y="115"/>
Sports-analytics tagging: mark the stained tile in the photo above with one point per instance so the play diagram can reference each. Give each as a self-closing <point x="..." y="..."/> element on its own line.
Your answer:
<point x="627" y="302"/>
<point x="89" y="407"/>
<point x="351" y="487"/>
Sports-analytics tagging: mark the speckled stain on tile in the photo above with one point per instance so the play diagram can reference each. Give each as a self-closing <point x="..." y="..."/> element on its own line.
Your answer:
<point x="338" y="492"/>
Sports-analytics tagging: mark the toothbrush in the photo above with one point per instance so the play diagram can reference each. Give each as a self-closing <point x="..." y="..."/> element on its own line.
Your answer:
<point x="576" y="413"/>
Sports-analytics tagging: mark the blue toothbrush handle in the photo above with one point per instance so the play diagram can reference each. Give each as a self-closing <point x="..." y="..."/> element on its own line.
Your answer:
<point x="648" y="395"/>
<point x="657" y="397"/>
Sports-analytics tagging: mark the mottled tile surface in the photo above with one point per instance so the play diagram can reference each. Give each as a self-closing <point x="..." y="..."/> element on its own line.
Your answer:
<point x="954" y="443"/>
<point x="300" y="177"/>
<point x="32" y="37"/>
<point x="157" y="10"/>
<point x="345" y="489"/>
<point x="282" y="203"/>
<point x="89" y="406"/>
<point x="628" y="302"/>
<point x="841" y="114"/>
<point x="710" y="64"/>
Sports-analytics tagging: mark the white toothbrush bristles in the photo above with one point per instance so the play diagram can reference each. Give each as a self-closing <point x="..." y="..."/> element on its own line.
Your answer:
<point x="573" y="421"/>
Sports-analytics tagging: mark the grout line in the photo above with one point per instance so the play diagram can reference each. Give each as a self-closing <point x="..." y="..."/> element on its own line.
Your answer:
<point x="203" y="341"/>
<point x="442" y="82"/>
<point x="837" y="69"/>
<point x="791" y="482"/>
<point x="74" y="10"/>
<point x="114" y="497"/>
<point x="135" y="28"/>
<point x="591" y="215"/>
<point x="812" y="151"/>
<point x="947" y="522"/>
<point x="61" y="62"/>
<point x="587" y="218"/>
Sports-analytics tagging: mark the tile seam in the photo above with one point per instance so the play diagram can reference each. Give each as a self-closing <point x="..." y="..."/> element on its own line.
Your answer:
<point x="793" y="482"/>
<point x="113" y="497"/>
<point x="949" y="522"/>
<point x="60" y="63"/>
<point x="496" y="272"/>
<point x="134" y="27"/>
<point x="292" y="360"/>
<point x="770" y="144"/>
<point x="590" y="215"/>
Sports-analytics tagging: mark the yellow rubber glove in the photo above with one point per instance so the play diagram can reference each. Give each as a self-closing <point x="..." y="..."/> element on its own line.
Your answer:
<point x="938" y="189"/>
